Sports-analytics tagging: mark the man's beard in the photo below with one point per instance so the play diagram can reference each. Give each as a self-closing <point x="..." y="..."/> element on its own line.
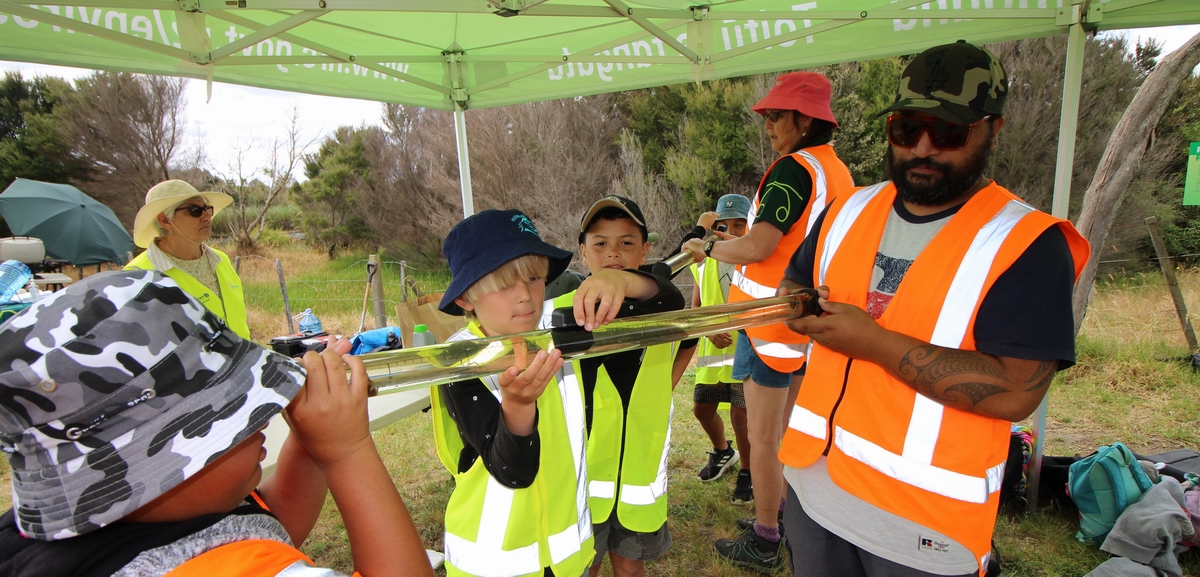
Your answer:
<point x="954" y="181"/>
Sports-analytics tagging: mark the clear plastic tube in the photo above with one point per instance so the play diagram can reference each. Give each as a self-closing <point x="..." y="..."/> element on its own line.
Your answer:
<point x="407" y="369"/>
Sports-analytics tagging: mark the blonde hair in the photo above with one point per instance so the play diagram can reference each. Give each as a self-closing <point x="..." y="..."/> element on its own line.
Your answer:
<point x="523" y="267"/>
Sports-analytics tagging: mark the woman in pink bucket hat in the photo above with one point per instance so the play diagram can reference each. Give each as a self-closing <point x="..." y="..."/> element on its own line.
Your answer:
<point x="796" y="189"/>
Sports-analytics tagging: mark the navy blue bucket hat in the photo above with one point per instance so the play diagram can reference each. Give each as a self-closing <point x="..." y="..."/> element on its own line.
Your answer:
<point x="483" y="242"/>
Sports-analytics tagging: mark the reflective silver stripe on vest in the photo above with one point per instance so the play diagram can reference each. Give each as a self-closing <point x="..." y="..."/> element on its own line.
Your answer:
<point x="820" y="191"/>
<point x="487" y="557"/>
<point x="567" y="542"/>
<point x="752" y="288"/>
<point x="841" y="225"/>
<point x="914" y="465"/>
<point x="779" y="350"/>
<point x="714" y="361"/>
<point x="933" y="479"/>
<point x="547" y="314"/>
<point x="602" y="489"/>
<point x="808" y="422"/>
<point x="648" y="494"/>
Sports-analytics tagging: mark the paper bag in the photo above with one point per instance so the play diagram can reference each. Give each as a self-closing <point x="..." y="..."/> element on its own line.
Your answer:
<point x="423" y="310"/>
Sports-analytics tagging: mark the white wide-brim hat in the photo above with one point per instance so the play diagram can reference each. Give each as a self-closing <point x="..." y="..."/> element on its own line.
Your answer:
<point x="161" y="197"/>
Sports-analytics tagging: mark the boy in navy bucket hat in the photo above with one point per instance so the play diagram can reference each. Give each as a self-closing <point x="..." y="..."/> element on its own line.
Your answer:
<point x="516" y="442"/>
<point x="131" y="417"/>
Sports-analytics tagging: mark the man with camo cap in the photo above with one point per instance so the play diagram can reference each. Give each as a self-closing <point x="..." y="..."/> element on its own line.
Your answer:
<point x="131" y="416"/>
<point x="946" y="313"/>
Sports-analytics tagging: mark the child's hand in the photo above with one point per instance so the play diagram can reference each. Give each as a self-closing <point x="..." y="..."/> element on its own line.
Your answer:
<point x="519" y="390"/>
<point x="329" y="415"/>
<point x="606" y="288"/>
<point x="524" y="387"/>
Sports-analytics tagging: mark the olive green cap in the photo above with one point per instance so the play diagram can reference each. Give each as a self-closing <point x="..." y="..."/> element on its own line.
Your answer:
<point x="958" y="82"/>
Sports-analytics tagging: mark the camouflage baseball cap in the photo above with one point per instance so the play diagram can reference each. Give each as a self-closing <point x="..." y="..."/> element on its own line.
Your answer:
<point x="118" y="389"/>
<point x="957" y="82"/>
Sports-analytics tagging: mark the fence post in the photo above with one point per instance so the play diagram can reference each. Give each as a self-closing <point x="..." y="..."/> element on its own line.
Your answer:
<point x="403" y="289"/>
<point x="1168" y="268"/>
<point x="376" y="280"/>
<point x="287" y="305"/>
<point x="237" y="265"/>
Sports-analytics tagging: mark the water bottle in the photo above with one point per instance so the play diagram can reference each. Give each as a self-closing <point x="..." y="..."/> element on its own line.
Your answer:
<point x="422" y="337"/>
<point x="309" y="323"/>
<point x="14" y="275"/>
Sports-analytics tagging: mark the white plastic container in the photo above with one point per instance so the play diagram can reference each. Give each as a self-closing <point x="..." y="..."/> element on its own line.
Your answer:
<point x="22" y="248"/>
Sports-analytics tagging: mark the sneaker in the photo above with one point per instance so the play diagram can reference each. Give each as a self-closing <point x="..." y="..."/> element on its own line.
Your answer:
<point x="743" y="492"/>
<point x="751" y="551"/>
<point x="718" y="463"/>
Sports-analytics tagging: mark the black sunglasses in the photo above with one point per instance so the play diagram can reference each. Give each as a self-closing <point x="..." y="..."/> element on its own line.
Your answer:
<point x="905" y="132"/>
<point x="775" y="115"/>
<point x="195" y="210"/>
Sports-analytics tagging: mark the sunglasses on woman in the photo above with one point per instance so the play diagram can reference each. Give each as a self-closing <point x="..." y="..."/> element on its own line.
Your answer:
<point x="195" y="210"/>
<point x="775" y="115"/>
<point x="905" y="132"/>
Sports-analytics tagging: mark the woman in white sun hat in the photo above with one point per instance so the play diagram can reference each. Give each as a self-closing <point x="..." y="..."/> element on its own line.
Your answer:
<point x="172" y="227"/>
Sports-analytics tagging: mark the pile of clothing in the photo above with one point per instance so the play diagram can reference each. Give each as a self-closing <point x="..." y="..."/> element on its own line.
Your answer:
<point x="1150" y="534"/>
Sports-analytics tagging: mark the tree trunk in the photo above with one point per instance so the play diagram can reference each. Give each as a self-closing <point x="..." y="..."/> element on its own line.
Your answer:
<point x="1124" y="153"/>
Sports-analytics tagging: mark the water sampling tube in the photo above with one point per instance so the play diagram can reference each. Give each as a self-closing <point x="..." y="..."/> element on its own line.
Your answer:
<point x="406" y="369"/>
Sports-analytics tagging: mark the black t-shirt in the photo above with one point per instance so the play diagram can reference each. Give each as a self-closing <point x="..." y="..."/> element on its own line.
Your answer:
<point x="1027" y="314"/>
<point x="784" y="194"/>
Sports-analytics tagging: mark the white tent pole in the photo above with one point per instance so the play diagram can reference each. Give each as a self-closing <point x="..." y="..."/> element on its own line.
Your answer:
<point x="1068" y="123"/>
<point x="464" y="160"/>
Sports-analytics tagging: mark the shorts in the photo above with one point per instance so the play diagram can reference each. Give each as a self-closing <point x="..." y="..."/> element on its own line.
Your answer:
<point x="720" y="393"/>
<point x="747" y="364"/>
<point x="611" y="535"/>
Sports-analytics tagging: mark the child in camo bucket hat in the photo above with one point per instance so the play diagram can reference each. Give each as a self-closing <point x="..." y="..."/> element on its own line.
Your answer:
<point x="132" y="419"/>
<point x="102" y="410"/>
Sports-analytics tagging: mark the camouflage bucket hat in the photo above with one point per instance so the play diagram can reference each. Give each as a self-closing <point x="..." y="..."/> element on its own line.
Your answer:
<point x="118" y="389"/>
<point x="957" y="82"/>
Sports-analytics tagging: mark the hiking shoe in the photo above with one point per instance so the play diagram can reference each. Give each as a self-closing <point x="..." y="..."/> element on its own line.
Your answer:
<point x="718" y="463"/>
<point x="751" y="551"/>
<point x="743" y="492"/>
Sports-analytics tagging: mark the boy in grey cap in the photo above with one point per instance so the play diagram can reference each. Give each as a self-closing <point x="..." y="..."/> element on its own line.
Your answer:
<point x="714" y="366"/>
<point x="131" y="417"/>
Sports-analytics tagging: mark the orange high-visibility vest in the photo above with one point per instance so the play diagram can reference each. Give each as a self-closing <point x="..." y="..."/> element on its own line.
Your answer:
<point x="259" y="557"/>
<point x="777" y="346"/>
<point x="887" y="445"/>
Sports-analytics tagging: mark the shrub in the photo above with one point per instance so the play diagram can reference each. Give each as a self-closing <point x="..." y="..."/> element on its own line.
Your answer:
<point x="274" y="238"/>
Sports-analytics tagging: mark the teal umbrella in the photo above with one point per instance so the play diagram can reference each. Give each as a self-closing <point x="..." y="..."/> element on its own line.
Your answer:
<point x="72" y="225"/>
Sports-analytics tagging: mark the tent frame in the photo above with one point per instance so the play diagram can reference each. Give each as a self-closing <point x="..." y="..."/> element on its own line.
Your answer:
<point x="198" y="59"/>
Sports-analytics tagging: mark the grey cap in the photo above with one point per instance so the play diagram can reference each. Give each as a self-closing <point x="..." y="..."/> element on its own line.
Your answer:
<point x="733" y="206"/>
<point x="119" y="388"/>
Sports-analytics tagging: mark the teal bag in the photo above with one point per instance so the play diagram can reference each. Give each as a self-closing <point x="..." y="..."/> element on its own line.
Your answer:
<point x="1102" y="485"/>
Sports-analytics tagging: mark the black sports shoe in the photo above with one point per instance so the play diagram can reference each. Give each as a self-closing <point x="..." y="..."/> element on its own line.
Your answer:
<point x="743" y="492"/>
<point x="751" y="551"/>
<point x="718" y="463"/>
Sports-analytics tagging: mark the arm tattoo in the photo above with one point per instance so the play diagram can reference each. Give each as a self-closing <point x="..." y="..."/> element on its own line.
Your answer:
<point x="924" y="366"/>
<point x="927" y="364"/>
<point x="975" y="392"/>
<point x="1042" y="376"/>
